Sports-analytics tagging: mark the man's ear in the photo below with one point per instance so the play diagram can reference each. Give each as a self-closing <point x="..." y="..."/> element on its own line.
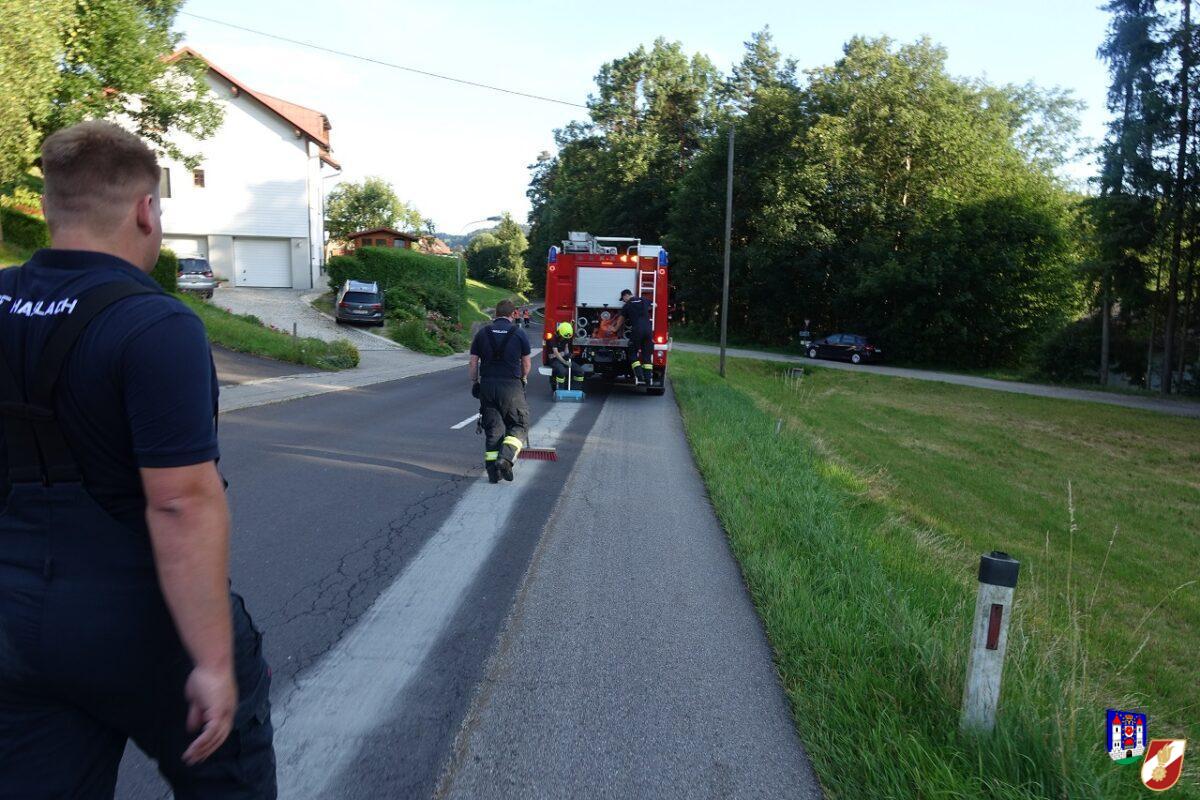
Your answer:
<point x="145" y="214"/>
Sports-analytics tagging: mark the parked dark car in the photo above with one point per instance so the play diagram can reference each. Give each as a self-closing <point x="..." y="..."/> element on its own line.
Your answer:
<point x="359" y="301"/>
<point x="195" y="275"/>
<point x="844" y="347"/>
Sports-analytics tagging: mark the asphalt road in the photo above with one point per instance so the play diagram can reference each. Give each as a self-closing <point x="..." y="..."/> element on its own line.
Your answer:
<point x="234" y="368"/>
<point x="435" y="635"/>
<point x="332" y="497"/>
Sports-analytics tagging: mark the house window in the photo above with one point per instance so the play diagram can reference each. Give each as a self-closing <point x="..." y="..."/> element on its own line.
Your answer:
<point x="198" y="178"/>
<point x="397" y="243"/>
<point x="164" y="182"/>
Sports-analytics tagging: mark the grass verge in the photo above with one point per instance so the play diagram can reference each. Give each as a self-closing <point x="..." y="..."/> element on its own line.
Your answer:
<point x="246" y="334"/>
<point x="858" y="529"/>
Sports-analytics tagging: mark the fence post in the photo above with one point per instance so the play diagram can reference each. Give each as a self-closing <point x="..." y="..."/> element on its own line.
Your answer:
<point x="989" y="639"/>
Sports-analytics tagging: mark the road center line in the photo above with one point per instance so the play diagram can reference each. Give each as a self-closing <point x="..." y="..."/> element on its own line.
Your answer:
<point x="465" y="422"/>
<point x="337" y="704"/>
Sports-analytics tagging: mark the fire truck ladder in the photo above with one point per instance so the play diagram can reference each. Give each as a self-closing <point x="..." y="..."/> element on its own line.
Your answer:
<point x="648" y="285"/>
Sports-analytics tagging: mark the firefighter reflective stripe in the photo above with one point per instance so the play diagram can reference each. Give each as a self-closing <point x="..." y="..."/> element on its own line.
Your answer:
<point x="491" y="455"/>
<point x="561" y="380"/>
<point x="513" y="442"/>
<point x="637" y="364"/>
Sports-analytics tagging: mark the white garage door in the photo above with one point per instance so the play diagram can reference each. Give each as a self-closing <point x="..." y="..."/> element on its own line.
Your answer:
<point x="262" y="262"/>
<point x="187" y="246"/>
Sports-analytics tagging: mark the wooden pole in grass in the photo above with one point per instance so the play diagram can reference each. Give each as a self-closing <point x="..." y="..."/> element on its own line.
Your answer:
<point x="989" y="639"/>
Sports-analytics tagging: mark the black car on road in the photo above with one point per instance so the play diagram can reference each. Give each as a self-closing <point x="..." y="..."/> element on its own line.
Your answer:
<point x="359" y="301"/>
<point x="844" y="347"/>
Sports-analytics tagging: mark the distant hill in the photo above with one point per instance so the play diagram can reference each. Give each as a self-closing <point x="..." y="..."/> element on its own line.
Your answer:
<point x="457" y="241"/>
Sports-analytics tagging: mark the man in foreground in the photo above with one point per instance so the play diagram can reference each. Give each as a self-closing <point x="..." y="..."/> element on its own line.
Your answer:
<point x="499" y="370"/>
<point x="116" y="617"/>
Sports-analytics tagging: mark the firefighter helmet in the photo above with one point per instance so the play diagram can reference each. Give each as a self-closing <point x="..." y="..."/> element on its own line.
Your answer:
<point x="565" y="330"/>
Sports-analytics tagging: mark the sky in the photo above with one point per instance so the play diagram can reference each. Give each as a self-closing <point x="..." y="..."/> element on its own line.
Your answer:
<point x="460" y="153"/>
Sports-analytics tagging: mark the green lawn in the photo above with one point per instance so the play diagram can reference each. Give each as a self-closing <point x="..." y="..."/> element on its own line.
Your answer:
<point x="481" y="298"/>
<point x="246" y="334"/>
<point x="859" y="529"/>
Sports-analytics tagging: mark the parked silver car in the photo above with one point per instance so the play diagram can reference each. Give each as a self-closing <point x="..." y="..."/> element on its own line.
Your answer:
<point x="195" y="275"/>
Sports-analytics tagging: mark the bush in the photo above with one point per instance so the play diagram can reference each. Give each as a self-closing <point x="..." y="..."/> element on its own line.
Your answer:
<point x="23" y="230"/>
<point x="166" y="270"/>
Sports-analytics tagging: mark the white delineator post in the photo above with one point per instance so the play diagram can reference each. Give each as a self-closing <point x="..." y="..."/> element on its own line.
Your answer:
<point x="993" y="608"/>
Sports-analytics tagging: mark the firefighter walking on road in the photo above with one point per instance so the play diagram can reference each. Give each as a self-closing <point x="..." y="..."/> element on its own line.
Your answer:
<point x="636" y="314"/>
<point x="499" y="370"/>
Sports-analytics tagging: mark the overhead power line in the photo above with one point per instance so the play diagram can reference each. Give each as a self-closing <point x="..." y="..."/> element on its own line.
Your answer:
<point x="381" y="63"/>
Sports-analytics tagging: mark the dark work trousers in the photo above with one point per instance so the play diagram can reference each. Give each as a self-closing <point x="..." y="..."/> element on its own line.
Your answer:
<point x="641" y="351"/>
<point x="559" y="378"/>
<point x="89" y="658"/>
<point x="505" y="418"/>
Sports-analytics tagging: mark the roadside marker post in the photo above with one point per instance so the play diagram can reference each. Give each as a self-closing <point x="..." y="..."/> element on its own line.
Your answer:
<point x="989" y="639"/>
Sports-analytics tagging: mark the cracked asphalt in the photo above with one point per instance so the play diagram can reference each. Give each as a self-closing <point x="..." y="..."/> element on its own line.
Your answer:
<point x="332" y="496"/>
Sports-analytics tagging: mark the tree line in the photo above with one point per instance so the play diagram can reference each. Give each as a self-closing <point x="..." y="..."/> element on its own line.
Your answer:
<point x="878" y="194"/>
<point x="1144" y="215"/>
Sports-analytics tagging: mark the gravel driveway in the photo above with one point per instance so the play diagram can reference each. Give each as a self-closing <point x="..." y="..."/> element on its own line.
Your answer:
<point x="284" y="308"/>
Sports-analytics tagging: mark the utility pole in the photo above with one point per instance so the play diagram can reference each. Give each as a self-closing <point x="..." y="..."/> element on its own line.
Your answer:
<point x="728" y="229"/>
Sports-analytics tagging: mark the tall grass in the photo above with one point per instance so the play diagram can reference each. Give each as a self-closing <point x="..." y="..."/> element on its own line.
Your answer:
<point x="867" y="596"/>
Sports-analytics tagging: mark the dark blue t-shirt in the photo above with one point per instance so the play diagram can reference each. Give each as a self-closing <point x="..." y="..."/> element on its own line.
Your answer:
<point x="499" y="355"/>
<point x="138" y="389"/>
<point x="637" y="313"/>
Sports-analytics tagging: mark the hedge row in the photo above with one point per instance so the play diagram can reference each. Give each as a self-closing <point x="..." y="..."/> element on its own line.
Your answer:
<point x="23" y="230"/>
<point x="392" y="267"/>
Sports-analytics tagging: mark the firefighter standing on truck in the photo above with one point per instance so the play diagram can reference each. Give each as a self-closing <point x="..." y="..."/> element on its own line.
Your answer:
<point x="116" y="617"/>
<point x="636" y="314"/>
<point x="499" y="370"/>
<point x="562" y="369"/>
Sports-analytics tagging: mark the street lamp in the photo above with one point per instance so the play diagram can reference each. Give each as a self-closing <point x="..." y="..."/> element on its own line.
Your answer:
<point x="728" y="227"/>
<point x="464" y="248"/>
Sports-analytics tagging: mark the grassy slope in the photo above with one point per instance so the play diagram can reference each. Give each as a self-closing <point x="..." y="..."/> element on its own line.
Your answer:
<point x="859" y="530"/>
<point x="482" y="296"/>
<point x="247" y="335"/>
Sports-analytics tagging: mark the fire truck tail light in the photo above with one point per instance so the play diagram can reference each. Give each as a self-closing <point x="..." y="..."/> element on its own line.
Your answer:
<point x="624" y="258"/>
<point x="660" y="340"/>
<point x="549" y="336"/>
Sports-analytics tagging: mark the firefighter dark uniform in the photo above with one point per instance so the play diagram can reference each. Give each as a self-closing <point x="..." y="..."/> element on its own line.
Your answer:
<point x="636" y="312"/>
<point x="101" y="373"/>
<point x="563" y="376"/>
<point x="503" y="409"/>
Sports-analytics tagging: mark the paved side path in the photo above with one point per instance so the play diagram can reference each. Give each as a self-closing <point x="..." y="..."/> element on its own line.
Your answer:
<point x="634" y="664"/>
<point x="1179" y="408"/>
<point x="381" y="359"/>
<point x="284" y="308"/>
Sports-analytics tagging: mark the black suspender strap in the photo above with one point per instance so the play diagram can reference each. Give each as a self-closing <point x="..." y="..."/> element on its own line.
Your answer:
<point x="37" y="451"/>
<point x="497" y="349"/>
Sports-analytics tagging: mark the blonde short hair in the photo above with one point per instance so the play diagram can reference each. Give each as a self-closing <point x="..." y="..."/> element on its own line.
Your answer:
<point x="93" y="171"/>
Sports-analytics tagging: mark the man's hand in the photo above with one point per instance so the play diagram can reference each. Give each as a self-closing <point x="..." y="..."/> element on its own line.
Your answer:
<point x="212" y="700"/>
<point x="475" y="389"/>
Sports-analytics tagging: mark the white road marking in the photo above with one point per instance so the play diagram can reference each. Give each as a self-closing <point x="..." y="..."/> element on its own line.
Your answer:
<point x="465" y="422"/>
<point x="337" y="704"/>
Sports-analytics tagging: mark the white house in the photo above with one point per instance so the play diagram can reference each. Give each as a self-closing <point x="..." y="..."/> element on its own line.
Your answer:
<point x="255" y="207"/>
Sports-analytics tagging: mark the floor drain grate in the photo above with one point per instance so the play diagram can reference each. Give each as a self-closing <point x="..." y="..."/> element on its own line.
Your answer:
<point x="539" y="454"/>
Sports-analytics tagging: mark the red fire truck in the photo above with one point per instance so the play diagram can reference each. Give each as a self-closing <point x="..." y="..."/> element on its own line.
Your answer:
<point x="584" y="281"/>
